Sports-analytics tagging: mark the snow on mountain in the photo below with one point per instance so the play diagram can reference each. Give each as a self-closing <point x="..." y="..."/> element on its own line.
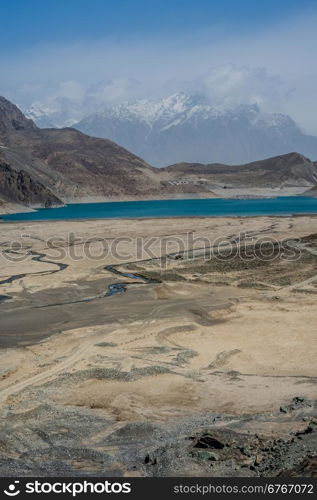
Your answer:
<point x="187" y="128"/>
<point x="60" y="113"/>
<point x="174" y="109"/>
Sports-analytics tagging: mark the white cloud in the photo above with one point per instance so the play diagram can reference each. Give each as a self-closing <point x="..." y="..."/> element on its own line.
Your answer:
<point x="231" y="85"/>
<point x="113" y="91"/>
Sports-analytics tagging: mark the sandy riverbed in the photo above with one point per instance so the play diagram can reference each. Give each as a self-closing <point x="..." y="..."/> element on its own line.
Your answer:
<point x="211" y="338"/>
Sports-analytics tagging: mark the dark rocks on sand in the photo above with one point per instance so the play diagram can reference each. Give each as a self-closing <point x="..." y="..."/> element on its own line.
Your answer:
<point x="208" y="441"/>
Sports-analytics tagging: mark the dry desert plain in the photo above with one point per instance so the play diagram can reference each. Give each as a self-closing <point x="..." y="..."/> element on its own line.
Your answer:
<point x="128" y="349"/>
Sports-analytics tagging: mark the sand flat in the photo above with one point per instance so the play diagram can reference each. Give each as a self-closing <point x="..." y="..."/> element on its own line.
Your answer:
<point x="206" y="337"/>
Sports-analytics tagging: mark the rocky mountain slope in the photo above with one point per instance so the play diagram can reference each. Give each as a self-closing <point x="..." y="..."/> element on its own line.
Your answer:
<point x="19" y="187"/>
<point x="71" y="164"/>
<point x="186" y="128"/>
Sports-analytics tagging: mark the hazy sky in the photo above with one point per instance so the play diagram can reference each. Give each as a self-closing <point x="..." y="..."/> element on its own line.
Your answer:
<point x="115" y="50"/>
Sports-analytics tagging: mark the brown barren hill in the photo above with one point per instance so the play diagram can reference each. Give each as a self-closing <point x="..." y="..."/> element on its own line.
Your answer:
<point x="71" y="163"/>
<point x="289" y="170"/>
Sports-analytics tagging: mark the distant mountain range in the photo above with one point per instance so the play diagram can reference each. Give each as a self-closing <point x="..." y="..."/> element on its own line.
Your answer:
<point x="186" y="128"/>
<point x="48" y="167"/>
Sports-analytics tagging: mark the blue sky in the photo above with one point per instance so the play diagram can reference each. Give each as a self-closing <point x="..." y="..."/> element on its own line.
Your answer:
<point x="232" y="51"/>
<point x="33" y="22"/>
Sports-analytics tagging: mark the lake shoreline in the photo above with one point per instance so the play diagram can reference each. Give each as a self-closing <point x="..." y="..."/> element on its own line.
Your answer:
<point x="168" y="209"/>
<point x="140" y="219"/>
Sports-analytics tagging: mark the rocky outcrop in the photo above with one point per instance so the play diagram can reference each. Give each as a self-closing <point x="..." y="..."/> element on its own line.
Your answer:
<point x="13" y="123"/>
<point x="19" y="187"/>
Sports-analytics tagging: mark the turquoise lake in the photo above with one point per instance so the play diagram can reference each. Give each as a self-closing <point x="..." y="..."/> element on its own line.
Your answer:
<point x="286" y="205"/>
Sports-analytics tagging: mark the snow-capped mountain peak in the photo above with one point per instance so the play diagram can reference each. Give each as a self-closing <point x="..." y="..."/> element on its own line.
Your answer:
<point x="59" y="113"/>
<point x="152" y="111"/>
